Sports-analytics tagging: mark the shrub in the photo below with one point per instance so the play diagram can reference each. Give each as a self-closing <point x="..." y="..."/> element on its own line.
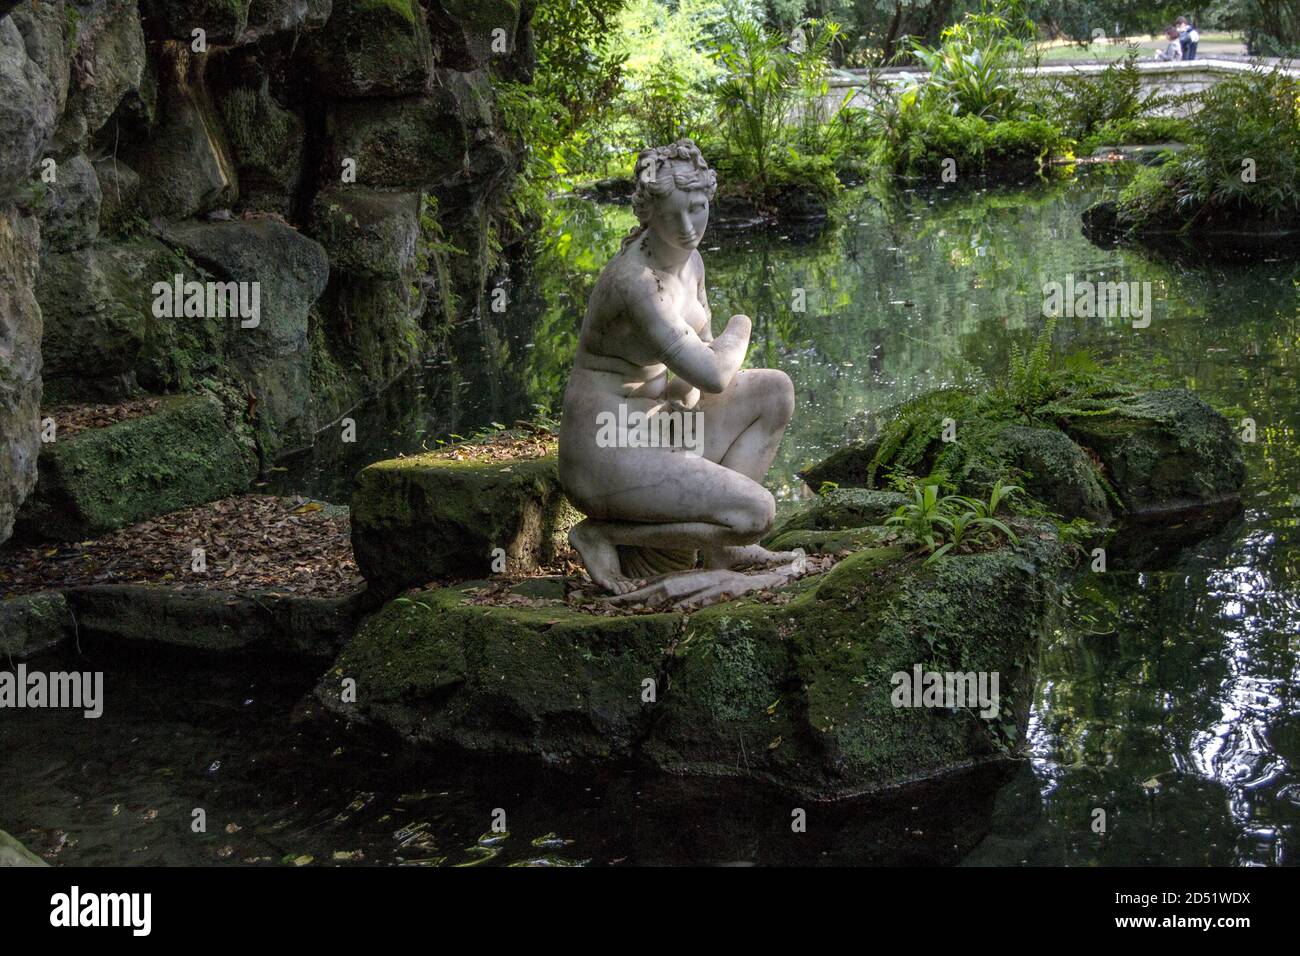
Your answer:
<point x="1243" y="158"/>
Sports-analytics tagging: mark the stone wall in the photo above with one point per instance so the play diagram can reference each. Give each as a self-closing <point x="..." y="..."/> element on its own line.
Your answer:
<point x="346" y="155"/>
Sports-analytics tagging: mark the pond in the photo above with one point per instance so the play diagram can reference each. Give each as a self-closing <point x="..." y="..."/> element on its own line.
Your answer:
<point x="1171" y="703"/>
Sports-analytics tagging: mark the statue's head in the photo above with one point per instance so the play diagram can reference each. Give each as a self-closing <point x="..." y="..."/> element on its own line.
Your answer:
<point x="672" y="191"/>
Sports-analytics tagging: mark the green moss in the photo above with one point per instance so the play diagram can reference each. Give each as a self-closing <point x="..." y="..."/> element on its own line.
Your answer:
<point x="189" y="451"/>
<point x="427" y="516"/>
<point x="548" y="680"/>
<point x="402" y="8"/>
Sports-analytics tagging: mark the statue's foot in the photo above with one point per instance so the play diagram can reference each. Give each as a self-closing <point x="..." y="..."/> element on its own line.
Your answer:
<point x="600" y="557"/>
<point x="746" y="556"/>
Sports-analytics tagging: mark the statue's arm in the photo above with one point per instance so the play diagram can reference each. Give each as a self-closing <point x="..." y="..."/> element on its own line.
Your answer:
<point x="702" y="294"/>
<point x="709" y="366"/>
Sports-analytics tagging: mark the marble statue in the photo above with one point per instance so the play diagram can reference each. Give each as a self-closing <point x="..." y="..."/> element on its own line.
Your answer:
<point x="665" y="440"/>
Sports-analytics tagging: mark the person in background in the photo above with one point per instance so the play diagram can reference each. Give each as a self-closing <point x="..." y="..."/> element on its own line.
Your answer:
<point x="1173" y="49"/>
<point x="1188" y="37"/>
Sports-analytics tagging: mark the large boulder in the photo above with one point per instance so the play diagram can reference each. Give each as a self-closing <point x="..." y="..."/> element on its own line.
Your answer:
<point x="1056" y="471"/>
<point x="418" y="519"/>
<point x="267" y="140"/>
<point x="477" y="26"/>
<point x="1165" y="451"/>
<point x="374" y="48"/>
<point x="71" y="216"/>
<point x="273" y="358"/>
<point x="547" y="683"/>
<point x="20" y="362"/>
<point x="33" y="88"/>
<point x="192" y="449"/>
<point x="366" y="232"/>
<point x="798" y="693"/>
<point x="110" y="63"/>
<point x="412" y="142"/>
<point x="185" y="162"/>
<point x="1135" y="454"/>
<point x="99" y="301"/>
<point x="33" y="624"/>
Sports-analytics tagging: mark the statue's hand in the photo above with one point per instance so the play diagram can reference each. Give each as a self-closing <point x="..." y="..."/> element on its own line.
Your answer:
<point x="682" y="393"/>
<point x="739" y="326"/>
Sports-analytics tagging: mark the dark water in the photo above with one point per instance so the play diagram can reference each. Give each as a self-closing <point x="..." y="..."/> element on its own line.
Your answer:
<point x="1172" y="702"/>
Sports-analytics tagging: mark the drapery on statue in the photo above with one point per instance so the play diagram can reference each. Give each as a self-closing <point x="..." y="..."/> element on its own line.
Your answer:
<point x="665" y="441"/>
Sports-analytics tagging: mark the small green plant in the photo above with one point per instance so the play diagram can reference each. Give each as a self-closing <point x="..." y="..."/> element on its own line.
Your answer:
<point x="981" y="515"/>
<point x="945" y="524"/>
<point x="925" y="518"/>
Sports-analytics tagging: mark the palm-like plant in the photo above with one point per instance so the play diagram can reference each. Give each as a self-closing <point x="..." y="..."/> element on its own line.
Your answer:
<point x="926" y="517"/>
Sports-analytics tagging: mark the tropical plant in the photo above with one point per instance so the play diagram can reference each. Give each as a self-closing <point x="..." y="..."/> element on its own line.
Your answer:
<point x="925" y="518"/>
<point x="765" y="73"/>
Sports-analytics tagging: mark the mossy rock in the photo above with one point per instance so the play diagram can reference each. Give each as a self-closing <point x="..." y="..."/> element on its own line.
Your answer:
<point x="374" y="48"/>
<point x="795" y="694"/>
<point x="273" y="358"/>
<point x="267" y="143"/>
<point x="33" y="624"/>
<point x="545" y="682"/>
<point x="189" y="451"/>
<point x="1165" y="451"/>
<point x="1150" y="452"/>
<point x="404" y="143"/>
<point x="1054" y="471"/>
<point x="367" y="232"/>
<point x="824" y="661"/>
<point x="841" y="508"/>
<point x="224" y="21"/>
<point x="478" y="21"/>
<point x="430" y="516"/>
<point x="217" y="622"/>
<point x="848" y="466"/>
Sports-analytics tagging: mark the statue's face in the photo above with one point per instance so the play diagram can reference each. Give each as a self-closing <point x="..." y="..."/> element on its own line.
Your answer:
<point x="680" y="218"/>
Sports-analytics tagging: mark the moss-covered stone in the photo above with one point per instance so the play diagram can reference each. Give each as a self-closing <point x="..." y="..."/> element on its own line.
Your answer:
<point x="191" y="450"/>
<point x="425" y="517"/>
<point x="1137" y="452"/>
<point x="185" y="163"/>
<point x="479" y="21"/>
<point x="1054" y="471"/>
<point x="1165" y="451"/>
<point x="374" y="48"/>
<point x="33" y="624"/>
<point x="402" y="144"/>
<point x="824" y="662"/>
<point x="546" y="682"/>
<point x="273" y="358"/>
<point x="98" y="301"/>
<point x="119" y="187"/>
<point x="372" y="330"/>
<point x="223" y="21"/>
<point x="840" y="509"/>
<point x="111" y="52"/>
<point x="266" y="141"/>
<point x="71" y="215"/>
<point x="366" y="232"/>
<point x="795" y="694"/>
<point x="214" y="621"/>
